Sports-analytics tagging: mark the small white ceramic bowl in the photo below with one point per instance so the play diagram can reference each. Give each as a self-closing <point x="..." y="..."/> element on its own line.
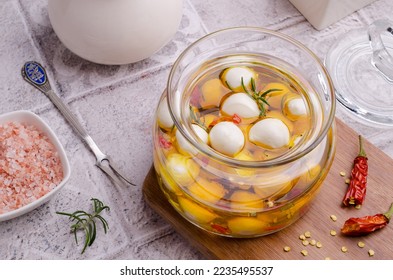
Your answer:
<point x="29" y="118"/>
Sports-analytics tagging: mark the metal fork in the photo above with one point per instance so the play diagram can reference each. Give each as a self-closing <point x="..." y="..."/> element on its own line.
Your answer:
<point x="35" y="74"/>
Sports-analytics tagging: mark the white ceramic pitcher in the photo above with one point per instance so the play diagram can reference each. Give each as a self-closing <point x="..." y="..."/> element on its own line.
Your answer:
<point x="115" y="31"/>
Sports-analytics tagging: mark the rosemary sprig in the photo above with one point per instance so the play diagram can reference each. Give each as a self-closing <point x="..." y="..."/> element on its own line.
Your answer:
<point x="195" y="119"/>
<point x="258" y="96"/>
<point x="87" y="222"/>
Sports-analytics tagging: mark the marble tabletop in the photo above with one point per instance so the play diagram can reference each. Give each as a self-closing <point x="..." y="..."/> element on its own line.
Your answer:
<point x="116" y="104"/>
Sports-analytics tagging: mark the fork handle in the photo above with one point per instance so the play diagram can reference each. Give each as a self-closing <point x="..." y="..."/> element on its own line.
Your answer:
<point x="63" y="108"/>
<point x="36" y="75"/>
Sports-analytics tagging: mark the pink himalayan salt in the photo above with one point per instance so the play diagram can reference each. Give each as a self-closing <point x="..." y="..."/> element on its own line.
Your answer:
<point x="30" y="166"/>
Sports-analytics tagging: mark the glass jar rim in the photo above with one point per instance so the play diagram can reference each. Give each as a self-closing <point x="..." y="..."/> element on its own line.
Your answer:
<point x="241" y="163"/>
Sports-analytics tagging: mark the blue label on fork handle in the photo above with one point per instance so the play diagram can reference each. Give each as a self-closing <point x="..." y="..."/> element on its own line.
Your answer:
<point x="35" y="72"/>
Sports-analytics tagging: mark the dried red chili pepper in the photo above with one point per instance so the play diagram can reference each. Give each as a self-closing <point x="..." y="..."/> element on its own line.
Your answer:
<point x="357" y="186"/>
<point x="368" y="224"/>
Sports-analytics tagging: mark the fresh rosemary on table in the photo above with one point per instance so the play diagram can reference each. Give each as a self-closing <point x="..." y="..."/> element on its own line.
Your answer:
<point x="87" y="222"/>
<point x="258" y="96"/>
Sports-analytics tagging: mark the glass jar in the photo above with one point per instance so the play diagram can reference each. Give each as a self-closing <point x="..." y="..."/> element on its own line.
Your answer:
<point x="256" y="190"/>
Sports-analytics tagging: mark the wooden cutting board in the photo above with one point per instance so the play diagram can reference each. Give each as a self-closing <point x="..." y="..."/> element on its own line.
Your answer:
<point x="316" y="220"/>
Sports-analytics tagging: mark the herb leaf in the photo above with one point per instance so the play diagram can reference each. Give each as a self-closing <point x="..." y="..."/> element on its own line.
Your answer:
<point x="258" y="96"/>
<point x="86" y="222"/>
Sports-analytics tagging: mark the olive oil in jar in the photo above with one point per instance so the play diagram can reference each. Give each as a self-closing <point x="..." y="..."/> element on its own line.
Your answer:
<point x="244" y="109"/>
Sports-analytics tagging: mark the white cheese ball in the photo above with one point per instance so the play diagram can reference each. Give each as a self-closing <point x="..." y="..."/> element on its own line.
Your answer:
<point x="296" y="107"/>
<point x="164" y="118"/>
<point x="270" y="132"/>
<point x="182" y="169"/>
<point x="226" y="138"/>
<point x="184" y="146"/>
<point x="240" y="104"/>
<point x="232" y="77"/>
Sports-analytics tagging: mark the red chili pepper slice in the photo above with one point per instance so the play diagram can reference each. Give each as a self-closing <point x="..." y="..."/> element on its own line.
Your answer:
<point x="235" y="119"/>
<point x="367" y="224"/>
<point x="219" y="228"/>
<point x="164" y="143"/>
<point x="356" y="192"/>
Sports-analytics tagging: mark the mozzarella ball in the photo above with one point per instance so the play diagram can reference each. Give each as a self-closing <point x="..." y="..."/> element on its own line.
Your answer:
<point x="295" y="108"/>
<point x="240" y="104"/>
<point x="226" y="138"/>
<point x="232" y="77"/>
<point x="183" y="170"/>
<point x="270" y="133"/>
<point x="164" y="118"/>
<point x="184" y="146"/>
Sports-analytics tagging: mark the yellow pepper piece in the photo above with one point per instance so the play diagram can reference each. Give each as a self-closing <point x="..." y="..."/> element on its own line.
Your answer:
<point x="196" y="212"/>
<point x="274" y="98"/>
<point x="244" y="200"/>
<point x="243" y="171"/>
<point x="167" y="180"/>
<point x="246" y="226"/>
<point x="207" y="191"/>
<point x="212" y="92"/>
<point x="208" y="119"/>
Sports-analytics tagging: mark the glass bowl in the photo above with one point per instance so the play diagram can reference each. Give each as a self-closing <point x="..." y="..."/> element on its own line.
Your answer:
<point x="255" y="191"/>
<point x="360" y="63"/>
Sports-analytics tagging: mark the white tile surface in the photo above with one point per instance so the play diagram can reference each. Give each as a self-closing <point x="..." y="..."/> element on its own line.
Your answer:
<point x="116" y="104"/>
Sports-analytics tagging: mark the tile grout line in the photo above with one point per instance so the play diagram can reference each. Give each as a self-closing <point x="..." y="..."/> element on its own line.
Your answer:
<point x="29" y="31"/>
<point x="135" y="77"/>
<point x="42" y="60"/>
<point x="204" y="27"/>
<point x="152" y="236"/>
